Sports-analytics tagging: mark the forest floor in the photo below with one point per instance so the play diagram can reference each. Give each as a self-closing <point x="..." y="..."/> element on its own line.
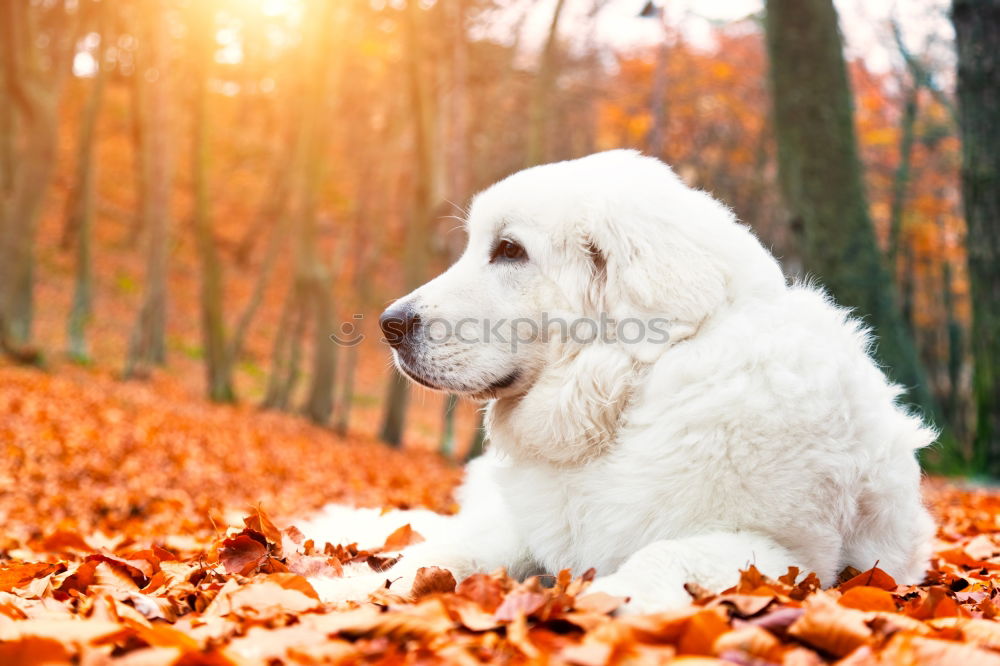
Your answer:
<point x="143" y="526"/>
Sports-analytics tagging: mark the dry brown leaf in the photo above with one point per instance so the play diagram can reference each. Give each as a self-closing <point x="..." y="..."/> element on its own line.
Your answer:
<point x="432" y="580"/>
<point x="830" y="627"/>
<point x="484" y="589"/>
<point x="242" y="554"/>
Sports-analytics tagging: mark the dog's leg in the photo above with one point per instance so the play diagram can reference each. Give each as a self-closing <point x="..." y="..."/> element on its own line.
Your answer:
<point x="483" y="537"/>
<point x="653" y="579"/>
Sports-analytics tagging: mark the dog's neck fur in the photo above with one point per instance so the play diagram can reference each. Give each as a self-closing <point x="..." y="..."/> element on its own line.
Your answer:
<point x="572" y="413"/>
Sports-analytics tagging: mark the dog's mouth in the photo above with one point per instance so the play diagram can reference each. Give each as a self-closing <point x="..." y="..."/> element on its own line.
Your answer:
<point x="404" y="367"/>
<point x="484" y="393"/>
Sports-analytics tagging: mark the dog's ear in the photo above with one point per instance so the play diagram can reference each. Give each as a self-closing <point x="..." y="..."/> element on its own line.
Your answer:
<point x="657" y="288"/>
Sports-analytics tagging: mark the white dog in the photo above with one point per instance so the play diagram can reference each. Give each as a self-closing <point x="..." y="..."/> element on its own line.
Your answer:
<point x="662" y="405"/>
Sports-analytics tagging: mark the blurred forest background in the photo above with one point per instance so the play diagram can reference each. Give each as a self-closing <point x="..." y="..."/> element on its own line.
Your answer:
<point x="208" y="189"/>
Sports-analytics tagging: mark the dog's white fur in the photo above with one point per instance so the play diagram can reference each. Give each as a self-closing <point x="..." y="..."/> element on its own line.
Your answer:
<point x="761" y="433"/>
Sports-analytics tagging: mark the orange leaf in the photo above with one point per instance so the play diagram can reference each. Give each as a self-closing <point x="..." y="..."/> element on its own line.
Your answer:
<point x="874" y="577"/>
<point x="868" y="599"/>
<point x="18" y="573"/>
<point x="32" y="650"/>
<point x="259" y="522"/>
<point x="401" y="538"/>
<point x="701" y="632"/>
<point x="483" y="589"/>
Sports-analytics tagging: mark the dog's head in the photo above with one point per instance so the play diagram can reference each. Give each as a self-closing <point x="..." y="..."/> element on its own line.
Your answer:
<point x="576" y="276"/>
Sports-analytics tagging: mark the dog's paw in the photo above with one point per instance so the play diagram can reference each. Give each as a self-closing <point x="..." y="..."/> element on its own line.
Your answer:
<point x="639" y="599"/>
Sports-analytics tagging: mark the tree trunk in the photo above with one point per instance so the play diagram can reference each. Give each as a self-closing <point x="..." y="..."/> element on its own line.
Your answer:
<point x="287" y="351"/>
<point x="310" y="297"/>
<point x="147" y="345"/>
<point x="541" y="103"/>
<point x="901" y="179"/>
<point x="977" y="32"/>
<point x="218" y="369"/>
<point x="394" y="418"/>
<point x="312" y="269"/>
<point x="478" y="444"/>
<point x="279" y="236"/>
<point x="80" y="218"/>
<point x="424" y="190"/>
<point x="274" y="205"/>
<point x="447" y="446"/>
<point x="319" y="401"/>
<point x="820" y="175"/>
<point x="346" y="399"/>
<point x="33" y="94"/>
<point x="141" y="137"/>
<point x="954" y="404"/>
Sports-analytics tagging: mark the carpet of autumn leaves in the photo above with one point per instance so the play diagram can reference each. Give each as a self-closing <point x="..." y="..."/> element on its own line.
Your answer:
<point x="144" y="527"/>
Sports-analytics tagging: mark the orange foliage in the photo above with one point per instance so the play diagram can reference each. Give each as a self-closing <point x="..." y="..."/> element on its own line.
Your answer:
<point x="129" y="540"/>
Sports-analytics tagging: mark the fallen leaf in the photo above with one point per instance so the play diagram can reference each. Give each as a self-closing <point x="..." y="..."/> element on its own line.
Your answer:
<point x="432" y="580"/>
<point x="401" y="538"/>
<point x="518" y="604"/>
<point x="242" y="554"/>
<point x="868" y="598"/>
<point x="874" y="577"/>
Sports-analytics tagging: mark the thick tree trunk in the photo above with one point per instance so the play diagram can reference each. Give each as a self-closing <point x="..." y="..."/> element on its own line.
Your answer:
<point x="147" y="345"/>
<point x="32" y="93"/>
<point x="977" y="32"/>
<point x="820" y="174"/>
<point x="394" y="417"/>
<point x="80" y="217"/>
<point x="319" y="401"/>
<point x="313" y="270"/>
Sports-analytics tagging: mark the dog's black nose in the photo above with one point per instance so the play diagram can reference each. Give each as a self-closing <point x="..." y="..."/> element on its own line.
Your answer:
<point x="398" y="323"/>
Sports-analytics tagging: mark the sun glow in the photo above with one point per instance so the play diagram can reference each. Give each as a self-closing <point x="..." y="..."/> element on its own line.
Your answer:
<point x="278" y="7"/>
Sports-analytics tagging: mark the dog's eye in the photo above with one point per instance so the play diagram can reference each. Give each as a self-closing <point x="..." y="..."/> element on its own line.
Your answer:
<point x="508" y="250"/>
